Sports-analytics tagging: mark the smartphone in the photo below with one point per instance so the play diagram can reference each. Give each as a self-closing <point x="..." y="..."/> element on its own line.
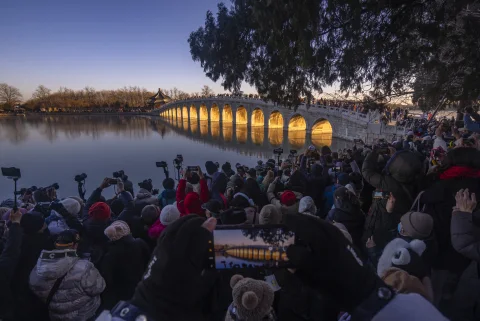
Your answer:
<point x="11" y="172"/>
<point x="379" y="194"/>
<point x="251" y="246"/>
<point x="338" y="169"/>
<point x="112" y="181"/>
<point x="192" y="168"/>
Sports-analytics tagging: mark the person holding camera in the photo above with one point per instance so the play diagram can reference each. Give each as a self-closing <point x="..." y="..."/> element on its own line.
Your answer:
<point x="167" y="196"/>
<point x="145" y="196"/>
<point x="399" y="180"/>
<point x="189" y="201"/>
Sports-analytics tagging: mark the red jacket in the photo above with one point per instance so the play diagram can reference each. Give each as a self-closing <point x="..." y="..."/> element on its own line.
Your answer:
<point x="192" y="202"/>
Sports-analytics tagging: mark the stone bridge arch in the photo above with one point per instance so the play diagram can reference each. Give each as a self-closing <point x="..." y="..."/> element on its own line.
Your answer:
<point x="214" y="113"/>
<point x="203" y="113"/>
<point x="241" y="115"/>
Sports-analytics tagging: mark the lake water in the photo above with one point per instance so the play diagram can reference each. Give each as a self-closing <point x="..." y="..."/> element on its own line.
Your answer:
<point x="51" y="149"/>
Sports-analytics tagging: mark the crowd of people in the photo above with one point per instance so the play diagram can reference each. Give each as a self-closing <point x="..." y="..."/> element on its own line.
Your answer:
<point x="388" y="231"/>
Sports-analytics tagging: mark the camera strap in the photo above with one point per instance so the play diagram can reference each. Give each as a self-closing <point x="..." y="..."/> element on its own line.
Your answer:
<point x="54" y="289"/>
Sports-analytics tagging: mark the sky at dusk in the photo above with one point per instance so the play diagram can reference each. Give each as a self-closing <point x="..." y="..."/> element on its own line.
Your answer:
<point x="104" y="44"/>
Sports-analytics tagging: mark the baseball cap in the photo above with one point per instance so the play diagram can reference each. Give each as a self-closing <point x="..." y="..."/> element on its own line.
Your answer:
<point x="67" y="238"/>
<point x="213" y="206"/>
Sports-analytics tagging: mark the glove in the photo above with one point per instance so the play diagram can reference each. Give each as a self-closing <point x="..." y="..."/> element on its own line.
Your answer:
<point x="326" y="261"/>
<point x="173" y="284"/>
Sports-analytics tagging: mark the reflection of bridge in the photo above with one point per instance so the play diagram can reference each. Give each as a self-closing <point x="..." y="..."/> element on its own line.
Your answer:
<point x="260" y="253"/>
<point x="315" y="120"/>
<point x="259" y="141"/>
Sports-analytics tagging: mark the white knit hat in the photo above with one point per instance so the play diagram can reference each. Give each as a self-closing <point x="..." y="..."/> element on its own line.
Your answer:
<point x="72" y="206"/>
<point x="117" y="230"/>
<point x="169" y="214"/>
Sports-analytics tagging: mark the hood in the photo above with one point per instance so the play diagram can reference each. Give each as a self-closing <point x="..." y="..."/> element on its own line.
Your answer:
<point x="404" y="166"/>
<point x="143" y="193"/>
<point x="56" y="267"/>
<point x="169" y="193"/>
<point x="307" y="206"/>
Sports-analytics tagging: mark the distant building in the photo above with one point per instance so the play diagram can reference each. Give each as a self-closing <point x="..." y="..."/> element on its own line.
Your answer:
<point x="158" y="99"/>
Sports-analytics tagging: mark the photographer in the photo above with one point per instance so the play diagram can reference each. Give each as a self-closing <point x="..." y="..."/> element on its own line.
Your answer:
<point x="8" y="262"/>
<point x="189" y="201"/>
<point x="399" y="179"/>
<point x="175" y="285"/>
<point x="167" y="196"/>
<point x="144" y="196"/>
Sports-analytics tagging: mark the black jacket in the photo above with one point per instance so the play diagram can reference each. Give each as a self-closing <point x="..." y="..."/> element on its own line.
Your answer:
<point x="353" y="221"/>
<point x="122" y="268"/>
<point x="439" y="199"/>
<point x="27" y="304"/>
<point x="8" y="261"/>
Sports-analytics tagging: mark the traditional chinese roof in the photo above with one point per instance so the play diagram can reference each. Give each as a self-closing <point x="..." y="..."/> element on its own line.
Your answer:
<point x="160" y="98"/>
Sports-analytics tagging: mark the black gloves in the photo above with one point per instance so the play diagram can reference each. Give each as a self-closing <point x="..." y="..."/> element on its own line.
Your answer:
<point x="173" y="285"/>
<point x="326" y="261"/>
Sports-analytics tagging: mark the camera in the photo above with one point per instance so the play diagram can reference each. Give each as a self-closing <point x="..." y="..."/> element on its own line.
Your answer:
<point x="54" y="185"/>
<point x="112" y="181"/>
<point x="24" y="190"/>
<point x="293" y="152"/>
<point x="192" y="168"/>
<point x="11" y="172"/>
<point x="278" y="151"/>
<point x="80" y="178"/>
<point x="119" y="174"/>
<point x="146" y="184"/>
<point x="178" y="161"/>
<point x="161" y="164"/>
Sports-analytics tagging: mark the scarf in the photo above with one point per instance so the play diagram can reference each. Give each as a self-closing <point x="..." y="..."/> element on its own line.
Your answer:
<point x="459" y="171"/>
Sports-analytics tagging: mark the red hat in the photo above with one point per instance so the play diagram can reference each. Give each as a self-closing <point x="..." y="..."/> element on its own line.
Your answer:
<point x="99" y="211"/>
<point x="192" y="204"/>
<point x="288" y="198"/>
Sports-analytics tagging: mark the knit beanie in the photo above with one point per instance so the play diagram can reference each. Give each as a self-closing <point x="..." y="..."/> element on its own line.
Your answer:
<point x="117" y="230"/>
<point x="169" y="214"/>
<point x="192" y="204"/>
<point x="72" y="206"/>
<point x="417" y="225"/>
<point x="403" y="255"/>
<point x="288" y="198"/>
<point x="80" y="201"/>
<point x="99" y="211"/>
<point x="32" y="222"/>
<point x="270" y="214"/>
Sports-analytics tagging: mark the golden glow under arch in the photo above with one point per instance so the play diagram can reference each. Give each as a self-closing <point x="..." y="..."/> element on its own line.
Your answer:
<point x="185" y="112"/>
<point x="258" y="118"/>
<point x="241" y="117"/>
<point x="227" y="114"/>
<point x="193" y="112"/>
<point x="297" y="123"/>
<point x="275" y="120"/>
<point x="214" y="113"/>
<point x="203" y="113"/>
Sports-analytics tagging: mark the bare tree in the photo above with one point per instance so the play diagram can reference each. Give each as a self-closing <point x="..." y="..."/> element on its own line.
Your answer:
<point x="207" y="91"/>
<point x="9" y="95"/>
<point x="41" y="92"/>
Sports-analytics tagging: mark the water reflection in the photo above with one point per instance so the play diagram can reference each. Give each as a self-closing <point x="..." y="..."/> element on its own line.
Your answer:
<point x="258" y="135"/>
<point x="242" y="133"/>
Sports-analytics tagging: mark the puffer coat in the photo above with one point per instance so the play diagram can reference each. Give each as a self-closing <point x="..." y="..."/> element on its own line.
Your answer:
<point x="78" y="297"/>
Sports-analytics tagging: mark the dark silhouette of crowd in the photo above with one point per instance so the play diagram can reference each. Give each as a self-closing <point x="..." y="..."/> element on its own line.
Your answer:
<point x="387" y="231"/>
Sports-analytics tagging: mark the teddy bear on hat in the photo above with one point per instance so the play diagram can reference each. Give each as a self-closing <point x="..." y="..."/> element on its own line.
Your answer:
<point x="252" y="300"/>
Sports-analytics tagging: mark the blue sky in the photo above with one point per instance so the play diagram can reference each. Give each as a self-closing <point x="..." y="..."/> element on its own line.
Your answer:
<point x="104" y="44"/>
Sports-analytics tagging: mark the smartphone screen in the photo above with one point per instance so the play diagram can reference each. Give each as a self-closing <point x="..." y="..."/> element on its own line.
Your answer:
<point x="377" y="194"/>
<point x="250" y="247"/>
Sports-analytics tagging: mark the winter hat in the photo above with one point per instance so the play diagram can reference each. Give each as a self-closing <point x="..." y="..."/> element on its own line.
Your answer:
<point x="211" y="167"/>
<point x="270" y="215"/>
<point x="403" y="282"/>
<point x="417" y="225"/>
<point x="343" y="179"/>
<point x="169" y="214"/>
<point x="252" y="172"/>
<point x="288" y="198"/>
<point x="150" y="213"/>
<point x="117" y="230"/>
<point x="99" y="211"/>
<point x="252" y="300"/>
<point x="307" y="206"/>
<point x="32" y="222"/>
<point x="241" y="200"/>
<point x="192" y="204"/>
<point x="213" y="206"/>
<point x="325" y="150"/>
<point x="344" y="230"/>
<point x="80" y="201"/>
<point x="297" y="182"/>
<point x="168" y="183"/>
<point x="72" y="206"/>
<point x="67" y="238"/>
<point x="233" y="216"/>
<point x="403" y="255"/>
